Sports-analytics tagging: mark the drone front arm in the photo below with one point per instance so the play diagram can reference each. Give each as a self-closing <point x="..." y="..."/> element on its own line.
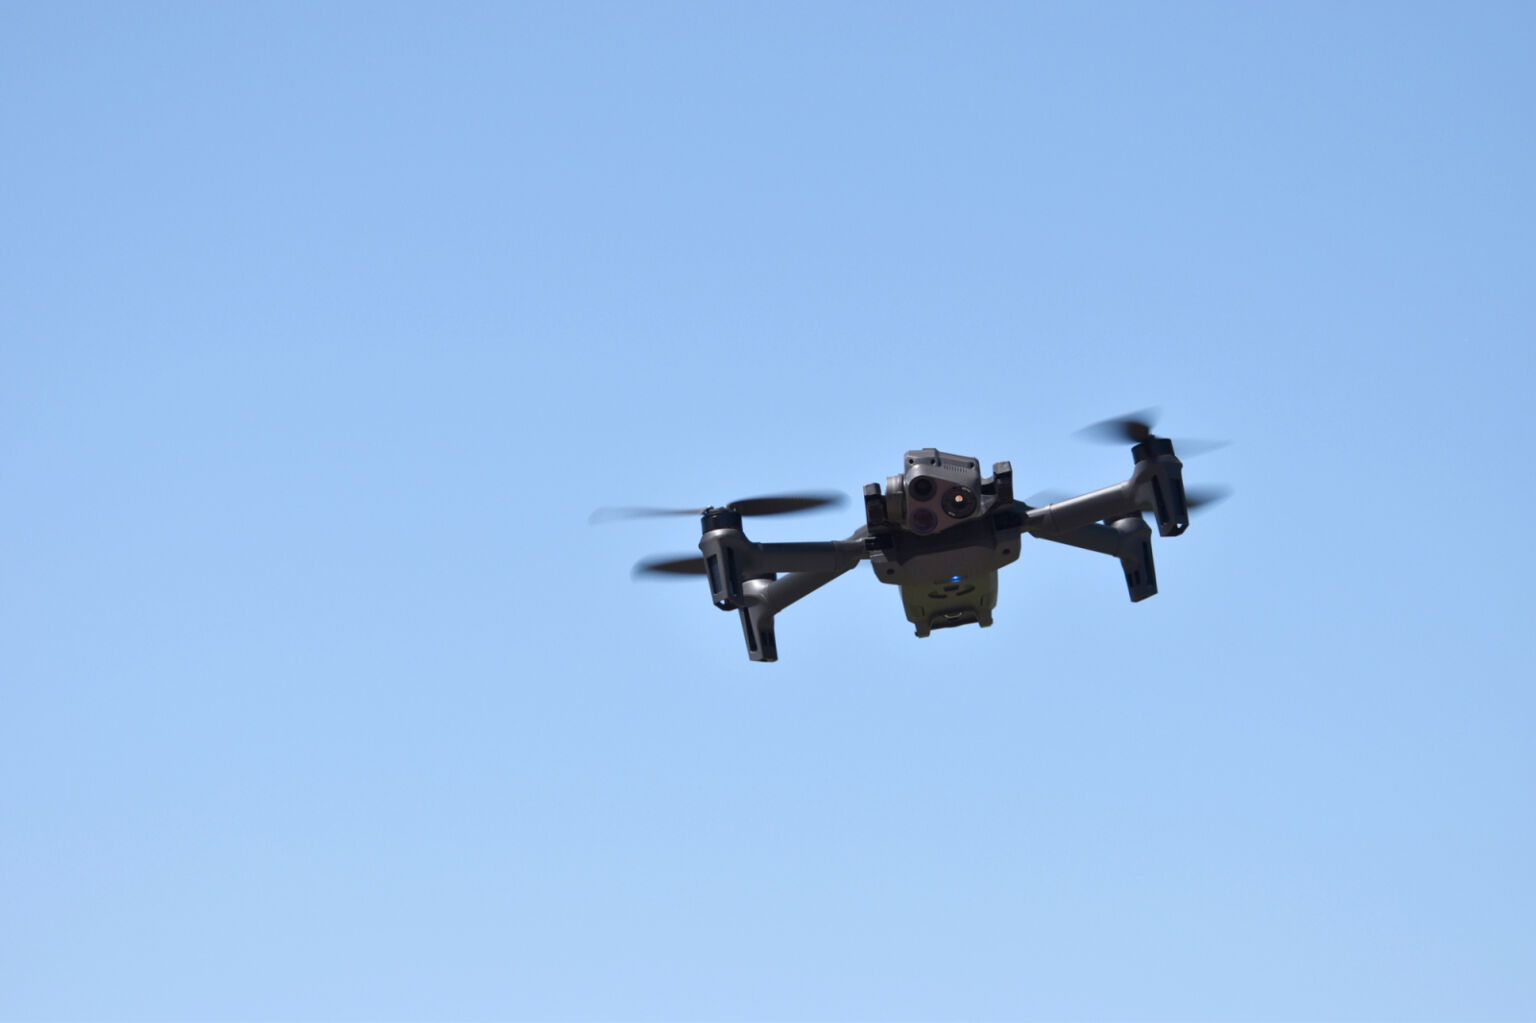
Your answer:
<point x="835" y="556"/>
<point x="1156" y="485"/>
<point x="1053" y="520"/>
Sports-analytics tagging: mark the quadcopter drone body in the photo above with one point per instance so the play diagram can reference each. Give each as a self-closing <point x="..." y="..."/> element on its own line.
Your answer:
<point x="939" y="532"/>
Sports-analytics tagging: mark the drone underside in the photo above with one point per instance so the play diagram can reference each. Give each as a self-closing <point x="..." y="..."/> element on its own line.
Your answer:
<point x="939" y="531"/>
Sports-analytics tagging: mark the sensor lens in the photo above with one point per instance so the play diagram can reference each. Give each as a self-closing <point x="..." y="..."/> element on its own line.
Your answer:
<point x="921" y="488"/>
<point x="923" y="520"/>
<point x="958" y="502"/>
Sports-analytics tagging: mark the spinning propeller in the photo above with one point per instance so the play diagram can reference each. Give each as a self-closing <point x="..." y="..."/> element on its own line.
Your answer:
<point x="1136" y="428"/>
<point x="778" y="504"/>
<point x="693" y="565"/>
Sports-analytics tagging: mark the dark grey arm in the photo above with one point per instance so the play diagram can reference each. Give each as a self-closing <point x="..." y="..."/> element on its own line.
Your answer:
<point x="1054" y="520"/>
<point x="1130" y="540"/>
<point x="741" y="576"/>
<point x="766" y="598"/>
<point x="1156" y="485"/>
<point x="835" y="556"/>
<point x="1094" y="537"/>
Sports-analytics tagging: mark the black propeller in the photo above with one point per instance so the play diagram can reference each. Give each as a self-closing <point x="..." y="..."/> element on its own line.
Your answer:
<point x="1137" y="427"/>
<point x="1204" y="497"/>
<point x="779" y="504"/>
<point x="687" y="565"/>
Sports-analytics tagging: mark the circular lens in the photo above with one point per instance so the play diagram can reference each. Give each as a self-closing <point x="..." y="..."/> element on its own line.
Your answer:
<point x="958" y="502"/>
<point x="923" y="520"/>
<point x="921" y="488"/>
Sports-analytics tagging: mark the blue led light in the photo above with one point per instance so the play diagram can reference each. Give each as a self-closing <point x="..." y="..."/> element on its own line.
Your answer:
<point x="954" y="578"/>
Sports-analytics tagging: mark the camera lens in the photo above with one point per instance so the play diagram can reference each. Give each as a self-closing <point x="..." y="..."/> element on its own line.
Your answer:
<point x="958" y="502"/>
<point x="921" y="488"/>
<point x="923" y="520"/>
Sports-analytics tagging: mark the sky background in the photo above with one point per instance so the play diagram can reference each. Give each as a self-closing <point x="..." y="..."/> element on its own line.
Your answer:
<point x="324" y="327"/>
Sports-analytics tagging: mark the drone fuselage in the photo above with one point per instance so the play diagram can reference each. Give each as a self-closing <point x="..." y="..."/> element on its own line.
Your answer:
<point x="937" y="538"/>
<point x="939" y="532"/>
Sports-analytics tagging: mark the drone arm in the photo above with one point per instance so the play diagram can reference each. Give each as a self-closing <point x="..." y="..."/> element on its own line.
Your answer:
<point x="1156" y="485"/>
<point x="777" y="594"/>
<point x="1052" y="521"/>
<point x="1129" y="539"/>
<point x="767" y="597"/>
<point x="835" y="556"/>
<point x="1093" y="537"/>
<point x="731" y="559"/>
<point x="810" y="566"/>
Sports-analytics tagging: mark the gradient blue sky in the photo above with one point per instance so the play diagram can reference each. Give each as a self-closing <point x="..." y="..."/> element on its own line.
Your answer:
<point x="324" y="326"/>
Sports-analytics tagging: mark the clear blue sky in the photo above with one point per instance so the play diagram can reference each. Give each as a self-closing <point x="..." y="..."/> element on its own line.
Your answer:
<point x="324" y="326"/>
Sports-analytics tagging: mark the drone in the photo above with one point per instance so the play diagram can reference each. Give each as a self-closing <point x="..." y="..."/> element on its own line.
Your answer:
<point x="939" y="531"/>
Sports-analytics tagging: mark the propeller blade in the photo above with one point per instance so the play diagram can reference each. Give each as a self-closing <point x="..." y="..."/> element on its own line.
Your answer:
<point x="690" y="565"/>
<point x="1135" y="428"/>
<point x="617" y="514"/>
<point x="781" y="504"/>
<point x="786" y="503"/>
<point x="1190" y="447"/>
<point x="1204" y="497"/>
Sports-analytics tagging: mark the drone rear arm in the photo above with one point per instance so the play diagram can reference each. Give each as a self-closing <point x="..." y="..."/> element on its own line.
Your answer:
<point x="1129" y="539"/>
<point x="766" y="598"/>
<point x="743" y="576"/>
